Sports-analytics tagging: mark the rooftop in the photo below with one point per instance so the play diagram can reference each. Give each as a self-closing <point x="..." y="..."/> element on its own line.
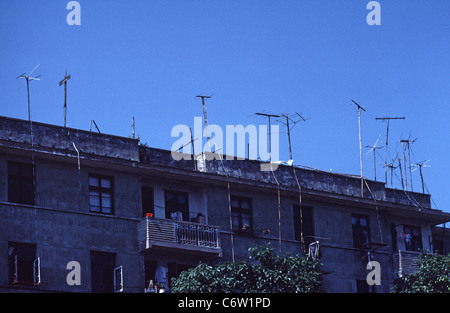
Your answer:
<point x="57" y="142"/>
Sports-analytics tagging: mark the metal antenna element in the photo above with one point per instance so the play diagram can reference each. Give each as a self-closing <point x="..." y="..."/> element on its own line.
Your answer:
<point x="64" y="81"/>
<point x="269" y="116"/>
<point x="286" y="120"/>
<point x="392" y="168"/>
<point x="387" y="137"/>
<point x="360" y="146"/>
<point x="419" y="166"/>
<point x="95" y="124"/>
<point x="373" y="148"/>
<point x="28" y="78"/>
<point x="205" y="118"/>
<point x="407" y="142"/>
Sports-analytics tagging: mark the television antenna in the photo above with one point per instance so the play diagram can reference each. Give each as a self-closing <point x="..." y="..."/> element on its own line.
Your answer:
<point x="64" y="81"/>
<point x="360" y="146"/>
<point x="28" y="78"/>
<point x="269" y="116"/>
<point x="387" y="119"/>
<point x="407" y="142"/>
<point x="374" y="149"/>
<point x="294" y="119"/>
<point x="391" y="167"/>
<point x="419" y="166"/>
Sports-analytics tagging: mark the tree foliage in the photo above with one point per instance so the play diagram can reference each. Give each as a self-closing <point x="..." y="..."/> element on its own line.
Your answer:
<point x="265" y="271"/>
<point x="432" y="276"/>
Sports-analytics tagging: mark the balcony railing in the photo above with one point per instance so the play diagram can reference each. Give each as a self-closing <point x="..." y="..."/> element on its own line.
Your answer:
<point x="405" y="262"/>
<point x="179" y="235"/>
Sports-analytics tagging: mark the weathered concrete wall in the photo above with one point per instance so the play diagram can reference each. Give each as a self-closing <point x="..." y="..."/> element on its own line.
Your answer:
<point x="61" y="138"/>
<point x="316" y="180"/>
<point x="64" y="229"/>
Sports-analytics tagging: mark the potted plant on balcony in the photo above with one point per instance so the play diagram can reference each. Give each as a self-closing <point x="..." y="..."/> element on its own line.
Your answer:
<point x="160" y="287"/>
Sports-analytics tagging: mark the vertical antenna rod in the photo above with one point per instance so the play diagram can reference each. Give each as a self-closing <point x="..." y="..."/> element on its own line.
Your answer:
<point x="360" y="146"/>
<point x="64" y="81"/>
<point x="269" y="116"/>
<point x="387" y="137"/>
<point x="28" y="78"/>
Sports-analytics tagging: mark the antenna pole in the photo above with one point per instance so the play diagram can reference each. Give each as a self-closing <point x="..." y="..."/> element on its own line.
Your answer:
<point x="360" y="146"/>
<point x="401" y="174"/>
<point x="421" y="178"/>
<point x="404" y="163"/>
<point x="204" y="117"/>
<point x="289" y="137"/>
<point x="64" y="81"/>
<point x="270" y="132"/>
<point x="387" y="137"/>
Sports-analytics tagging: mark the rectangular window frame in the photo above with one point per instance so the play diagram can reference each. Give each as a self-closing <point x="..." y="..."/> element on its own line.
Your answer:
<point x="22" y="264"/>
<point x="416" y="243"/>
<point x="171" y="208"/>
<point x="240" y="214"/>
<point x="102" y="192"/>
<point x="358" y="230"/>
<point x="103" y="265"/>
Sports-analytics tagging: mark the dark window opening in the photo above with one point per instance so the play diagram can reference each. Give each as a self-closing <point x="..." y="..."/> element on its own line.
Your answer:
<point x="303" y="224"/>
<point x="21" y="183"/>
<point x="102" y="271"/>
<point x="148" y="206"/>
<point x="360" y="230"/>
<point x="241" y="214"/>
<point x="413" y="238"/>
<point x="21" y="257"/>
<point x="101" y="198"/>
<point x="177" y="205"/>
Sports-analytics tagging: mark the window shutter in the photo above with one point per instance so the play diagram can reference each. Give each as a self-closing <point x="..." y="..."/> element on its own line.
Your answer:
<point x="118" y="279"/>
<point x="37" y="271"/>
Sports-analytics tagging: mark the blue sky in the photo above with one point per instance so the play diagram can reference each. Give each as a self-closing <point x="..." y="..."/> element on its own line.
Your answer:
<point x="149" y="59"/>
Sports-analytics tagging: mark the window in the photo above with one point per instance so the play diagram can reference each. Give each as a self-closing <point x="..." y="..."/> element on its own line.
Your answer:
<point x="303" y="224"/>
<point x="102" y="271"/>
<point x="360" y="229"/>
<point x="241" y="214"/>
<point x="413" y="238"/>
<point x="21" y="259"/>
<point x="147" y="200"/>
<point x="177" y="205"/>
<point x="101" y="194"/>
<point x="20" y="183"/>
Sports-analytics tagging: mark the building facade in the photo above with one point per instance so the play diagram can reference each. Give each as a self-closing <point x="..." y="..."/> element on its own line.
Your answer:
<point x="88" y="212"/>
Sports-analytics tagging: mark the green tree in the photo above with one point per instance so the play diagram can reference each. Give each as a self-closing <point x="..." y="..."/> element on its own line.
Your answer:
<point x="265" y="271"/>
<point x="432" y="276"/>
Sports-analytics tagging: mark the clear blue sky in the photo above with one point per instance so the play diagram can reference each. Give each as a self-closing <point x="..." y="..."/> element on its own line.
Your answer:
<point x="149" y="59"/>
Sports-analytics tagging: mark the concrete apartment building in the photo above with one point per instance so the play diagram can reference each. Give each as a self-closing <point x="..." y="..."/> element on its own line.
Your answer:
<point x="128" y="214"/>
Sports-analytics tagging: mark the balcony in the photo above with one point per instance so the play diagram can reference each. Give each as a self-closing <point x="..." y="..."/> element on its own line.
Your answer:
<point x="169" y="236"/>
<point x="405" y="262"/>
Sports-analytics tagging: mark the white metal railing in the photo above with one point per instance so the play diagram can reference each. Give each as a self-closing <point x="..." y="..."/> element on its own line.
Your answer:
<point x="184" y="233"/>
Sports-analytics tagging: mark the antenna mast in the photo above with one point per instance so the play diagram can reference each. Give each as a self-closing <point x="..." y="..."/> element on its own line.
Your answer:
<point x="360" y="146"/>
<point x="288" y="118"/>
<point x="387" y="137"/>
<point x="64" y="81"/>
<point x="407" y="142"/>
<point x="373" y="148"/>
<point x="269" y="116"/>
<point x="28" y="78"/>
